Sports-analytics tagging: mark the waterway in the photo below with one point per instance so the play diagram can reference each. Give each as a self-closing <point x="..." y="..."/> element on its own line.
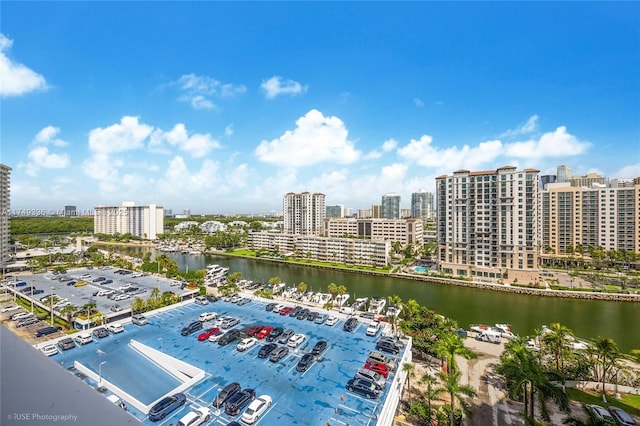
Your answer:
<point x="587" y="318"/>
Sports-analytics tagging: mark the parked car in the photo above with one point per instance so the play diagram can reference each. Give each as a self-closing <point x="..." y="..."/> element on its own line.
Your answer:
<point x="284" y="337"/>
<point x="373" y="329"/>
<point x="266" y="330"/>
<point x="27" y="321"/>
<point x="332" y="320"/>
<point x="238" y="401"/>
<point x="363" y="387"/>
<point x="319" y="347"/>
<point x="45" y="331"/>
<point x="296" y="340"/>
<point x="21" y="315"/>
<point x="115" y="328"/>
<point x="253" y="330"/>
<point x="368" y="315"/>
<point x="275" y="333"/>
<point x="602" y="414"/>
<point x="139" y="319"/>
<point x="166" y="405"/>
<point x="371" y="376"/>
<point x="207" y="316"/>
<point x="105" y="282"/>
<point x="216" y="335"/>
<point x="377" y="357"/>
<point x="305" y="362"/>
<point x="226" y="392"/>
<point x="278" y="353"/>
<point x="49" y="350"/>
<point x="195" y="417"/>
<point x="191" y="328"/>
<point x="269" y="306"/>
<point x="243" y="301"/>
<point x="350" y="324"/>
<point x="230" y="322"/>
<point x="100" y="332"/>
<point x="121" y="297"/>
<point x="202" y="300"/>
<point x="115" y="308"/>
<point x="379" y="368"/>
<point x="84" y="338"/>
<point x="10" y="308"/>
<point x="256" y="409"/>
<point x="208" y="333"/>
<point x="229" y="337"/>
<point x="266" y="350"/>
<point x="622" y="417"/>
<point x="302" y="314"/>
<point x="97" y="280"/>
<point x="286" y="310"/>
<point x="321" y="318"/>
<point x="246" y="344"/>
<point x="387" y="346"/>
<point x="66" y="344"/>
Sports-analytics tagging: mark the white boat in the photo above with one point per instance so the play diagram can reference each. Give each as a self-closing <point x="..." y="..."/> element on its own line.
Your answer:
<point x="360" y="303"/>
<point x="394" y="310"/>
<point x="502" y="329"/>
<point x="341" y="299"/>
<point x="377" y="305"/>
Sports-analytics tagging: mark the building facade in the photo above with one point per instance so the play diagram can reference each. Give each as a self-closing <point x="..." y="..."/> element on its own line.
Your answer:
<point x="5" y="205"/>
<point x="487" y="224"/>
<point x="70" y="211"/>
<point x="335" y="211"/>
<point x="563" y="173"/>
<point x="422" y="205"/>
<point x="141" y="221"/>
<point x="304" y="213"/>
<point x="390" y="208"/>
<point x="405" y="231"/>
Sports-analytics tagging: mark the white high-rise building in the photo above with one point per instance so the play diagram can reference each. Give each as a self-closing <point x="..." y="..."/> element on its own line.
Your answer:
<point x="5" y="201"/>
<point x="422" y="205"/>
<point x="304" y="213"/>
<point x="390" y="206"/>
<point x="563" y="173"/>
<point x="141" y="221"/>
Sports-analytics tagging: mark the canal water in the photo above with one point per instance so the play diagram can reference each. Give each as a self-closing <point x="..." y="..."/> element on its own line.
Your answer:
<point x="587" y="318"/>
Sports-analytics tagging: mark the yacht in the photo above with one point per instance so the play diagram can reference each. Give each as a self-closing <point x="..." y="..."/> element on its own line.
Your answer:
<point x="377" y="305"/>
<point x="502" y="329"/>
<point x="394" y="310"/>
<point x="360" y="303"/>
<point x="341" y="299"/>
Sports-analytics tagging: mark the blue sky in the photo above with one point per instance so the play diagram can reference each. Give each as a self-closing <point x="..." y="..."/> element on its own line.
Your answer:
<point x="225" y="107"/>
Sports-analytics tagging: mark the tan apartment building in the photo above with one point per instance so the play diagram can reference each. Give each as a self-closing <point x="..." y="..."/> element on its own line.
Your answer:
<point x="142" y="221"/>
<point x="304" y="213"/>
<point x="406" y="231"/>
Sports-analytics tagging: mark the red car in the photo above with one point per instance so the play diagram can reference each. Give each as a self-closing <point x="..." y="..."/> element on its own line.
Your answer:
<point x="286" y="310"/>
<point x="255" y="330"/>
<point x="208" y="333"/>
<point x="379" y="368"/>
<point x="265" y="332"/>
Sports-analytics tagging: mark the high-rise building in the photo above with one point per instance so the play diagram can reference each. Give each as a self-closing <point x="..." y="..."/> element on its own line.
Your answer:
<point x="390" y="206"/>
<point x="405" y="231"/>
<point x="422" y="205"/>
<point x="376" y="211"/>
<point x="487" y="224"/>
<point x="587" y="180"/>
<point x="546" y="179"/>
<point x="563" y="173"/>
<point x="5" y="204"/>
<point x="304" y="213"/>
<point x="141" y="221"/>
<point x="70" y="211"/>
<point x="335" y="211"/>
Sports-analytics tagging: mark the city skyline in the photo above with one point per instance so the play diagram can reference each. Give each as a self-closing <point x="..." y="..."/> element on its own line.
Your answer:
<point x="214" y="108"/>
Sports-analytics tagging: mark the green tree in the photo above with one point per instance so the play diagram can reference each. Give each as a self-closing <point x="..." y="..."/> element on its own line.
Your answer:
<point x="604" y="355"/>
<point x="302" y="287"/>
<point x="456" y="391"/>
<point x="408" y="368"/>
<point x="69" y="312"/>
<point x="234" y="277"/>
<point x="274" y="281"/>
<point x="556" y="342"/>
<point x="332" y="288"/>
<point x="450" y="345"/>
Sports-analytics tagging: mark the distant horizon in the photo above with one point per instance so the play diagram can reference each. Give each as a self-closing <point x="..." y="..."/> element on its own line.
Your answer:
<point x="227" y="106"/>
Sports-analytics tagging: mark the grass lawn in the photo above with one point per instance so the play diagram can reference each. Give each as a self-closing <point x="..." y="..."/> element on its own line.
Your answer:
<point x="629" y="403"/>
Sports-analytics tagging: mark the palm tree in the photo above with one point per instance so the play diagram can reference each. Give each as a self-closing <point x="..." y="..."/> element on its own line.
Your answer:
<point x="432" y="393"/>
<point x="410" y="309"/>
<point x="332" y="288"/>
<point x="451" y="385"/>
<point x="605" y="355"/>
<point x="448" y="347"/>
<point x="69" y="312"/>
<point x="555" y="342"/>
<point x="408" y="367"/>
<point x="302" y="287"/>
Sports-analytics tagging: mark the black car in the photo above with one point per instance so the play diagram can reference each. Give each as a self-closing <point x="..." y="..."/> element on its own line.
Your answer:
<point x="270" y="307"/>
<point x="363" y="387"/>
<point x="106" y="282"/>
<point x="37" y="291"/>
<point x="238" y="401"/>
<point x="66" y="344"/>
<point x="305" y="362"/>
<point x="302" y="314"/>
<point x="28" y="289"/>
<point x="266" y="350"/>
<point x="229" y="337"/>
<point x="387" y="346"/>
<point x="312" y="316"/>
<point x="45" y="331"/>
<point x="100" y="332"/>
<point x="350" y="324"/>
<point x="225" y="394"/>
<point x="165" y="406"/>
<point x="97" y="280"/>
<point x="319" y="347"/>
<point x="275" y="333"/>
<point x="278" y="353"/>
<point x="295" y="311"/>
<point x="191" y="328"/>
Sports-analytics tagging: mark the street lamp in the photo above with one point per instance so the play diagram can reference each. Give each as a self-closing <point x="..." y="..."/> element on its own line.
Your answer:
<point x="51" y="304"/>
<point x="100" y="373"/>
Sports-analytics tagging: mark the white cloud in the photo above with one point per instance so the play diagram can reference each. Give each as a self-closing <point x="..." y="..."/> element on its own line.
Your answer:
<point x="228" y="131"/>
<point x="558" y="143"/>
<point x="197" y="90"/>
<point x="15" y="78"/>
<point x="316" y="139"/>
<point x="41" y="158"/>
<point x="628" y="172"/>
<point x="418" y="102"/>
<point x="48" y="136"/>
<point x="389" y="145"/>
<point x="127" y="135"/>
<point x="373" y="155"/>
<point x="197" y="145"/>
<point x="276" y="86"/>
<point x="530" y="126"/>
<point x="423" y="153"/>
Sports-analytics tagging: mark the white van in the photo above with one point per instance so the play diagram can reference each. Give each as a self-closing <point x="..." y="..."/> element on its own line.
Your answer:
<point x="488" y="336"/>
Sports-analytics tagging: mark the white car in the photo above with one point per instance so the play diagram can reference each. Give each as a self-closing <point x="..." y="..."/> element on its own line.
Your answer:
<point x="296" y="340"/>
<point x="10" y="308"/>
<point x="195" y="417"/>
<point x="257" y="407"/>
<point x="84" y="338"/>
<point x="21" y="316"/>
<point x="278" y="308"/>
<point x="373" y="328"/>
<point x="124" y="287"/>
<point x="207" y="316"/>
<point x="49" y="350"/>
<point x="201" y="300"/>
<point x="121" y="297"/>
<point x="216" y="336"/>
<point x="247" y="343"/>
<point x="235" y="299"/>
<point x="115" y="328"/>
<point x="332" y="320"/>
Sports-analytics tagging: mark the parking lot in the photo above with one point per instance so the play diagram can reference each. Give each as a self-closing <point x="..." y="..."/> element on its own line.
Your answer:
<point x="316" y="396"/>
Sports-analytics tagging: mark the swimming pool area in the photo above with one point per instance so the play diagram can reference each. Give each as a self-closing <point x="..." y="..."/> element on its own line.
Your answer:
<point x="313" y="397"/>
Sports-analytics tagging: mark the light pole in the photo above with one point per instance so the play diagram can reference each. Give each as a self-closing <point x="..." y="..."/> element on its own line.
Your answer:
<point x="51" y="304"/>
<point x="31" y="297"/>
<point x="100" y="373"/>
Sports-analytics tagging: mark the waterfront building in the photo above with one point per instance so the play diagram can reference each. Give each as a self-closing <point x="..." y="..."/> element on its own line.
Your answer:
<point x="487" y="224"/>
<point x="70" y="211"/>
<point x="405" y="231"/>
<point x="349" y="251"/>
<point x="212" y="226"/>
<point x="304" y="213"/>
<point x="606" y="216"/>
<point x="5" y="204"/>
<point x="141" y="221"/>
<point x="183" y="226"/>
<point x="563" y="173"/>
<point x="335" y="211"/>
<point x="422" y="205"/>
<point x="390" y="206"/>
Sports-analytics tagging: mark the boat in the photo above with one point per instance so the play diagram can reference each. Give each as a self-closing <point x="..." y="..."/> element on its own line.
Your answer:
<point x="377" y="305"/>
<point x="341" y="299"/>
<point x="394" y="310"/>
<point x="502" y="329"/>
<point x="360" y="303"/>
